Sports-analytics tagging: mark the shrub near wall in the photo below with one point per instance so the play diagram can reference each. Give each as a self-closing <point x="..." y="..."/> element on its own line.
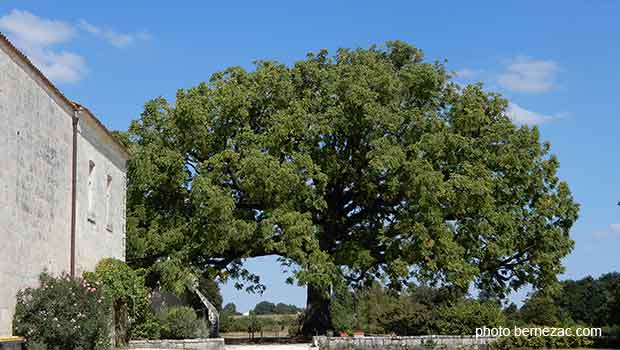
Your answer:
<point x="179" y="323"/>
<point x="129" y="297"/>
<point x="520" y="342"/>
<point x="63" y="313"/>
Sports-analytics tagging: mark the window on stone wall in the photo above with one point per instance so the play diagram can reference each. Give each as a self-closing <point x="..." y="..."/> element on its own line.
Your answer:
<point x="108" y="203"/>
<point x="91" y="191"/>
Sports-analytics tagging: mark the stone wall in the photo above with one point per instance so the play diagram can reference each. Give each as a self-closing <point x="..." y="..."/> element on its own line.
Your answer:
<point x="35" y="173"/>
<point x="197" y="344"/>
<point x="36" y="143"/>
<point x="99" y="234"/>
<point x="386" y="342"/>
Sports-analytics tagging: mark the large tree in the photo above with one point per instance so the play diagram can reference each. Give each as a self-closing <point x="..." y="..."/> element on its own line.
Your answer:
<point x="369" y="164"/>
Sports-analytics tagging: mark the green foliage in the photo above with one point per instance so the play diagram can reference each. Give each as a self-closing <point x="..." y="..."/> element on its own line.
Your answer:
<point x="415" y="311"/>
<point x="228" y="323"/>
<point x="203" y="329"/>
<point x="149" y="328"/>
<point x="129" y="297"/>
<point x="276" y="323"/>
<point x="269" y="308"/>
<point x="364" y="165"/>
<point x="465" y="316"/>
<point x="265" y="308"/>
<point x="230" y="309"/>
<point x="342" y="310"/>
<point x="372" y="308"/>
<point x="591" y="301"/>
<point x="179" y="323"/>
<point x="63" y="313"/>
<point x="540" y="309"/>
<point x="540" y="342"/>
<point x="286" y="309"/>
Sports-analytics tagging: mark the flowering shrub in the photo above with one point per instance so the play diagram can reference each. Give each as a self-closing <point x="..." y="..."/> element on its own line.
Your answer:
<point x="63" y="313"/>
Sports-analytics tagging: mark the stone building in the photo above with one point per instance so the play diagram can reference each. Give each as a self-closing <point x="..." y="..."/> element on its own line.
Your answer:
<point x="62" y="183"/>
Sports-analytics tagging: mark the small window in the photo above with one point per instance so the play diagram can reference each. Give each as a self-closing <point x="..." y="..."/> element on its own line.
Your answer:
<point x="91" y="191"/>
<point x="108" y="203"/>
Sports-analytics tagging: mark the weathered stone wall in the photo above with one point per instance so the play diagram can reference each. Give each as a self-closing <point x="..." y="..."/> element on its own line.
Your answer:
<point x="36" y="140"/>
<point x="198" y="344"/>
<point x="99" y="234"/>
<point x="442" y="341"/>
<point x="35" y="173"/>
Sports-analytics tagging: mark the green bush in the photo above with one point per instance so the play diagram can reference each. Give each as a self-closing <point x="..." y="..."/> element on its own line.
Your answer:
<point x="125" y="288"/>
<point x="150" y="328"/>
<point x="342" y="310"/>
<point x="534" y="342"/>
<point x="227" y="322"/>
<point x="406" y="317"/>
<point x="63" y="313"/>
<point x="465" y="316"/>
<point x="179" y="323"/>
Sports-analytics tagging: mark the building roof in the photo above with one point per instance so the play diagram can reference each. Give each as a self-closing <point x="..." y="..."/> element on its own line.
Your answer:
<point x="16" y="54"/>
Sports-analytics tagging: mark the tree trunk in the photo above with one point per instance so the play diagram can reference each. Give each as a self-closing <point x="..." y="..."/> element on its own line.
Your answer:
<point x="317" y="320"/>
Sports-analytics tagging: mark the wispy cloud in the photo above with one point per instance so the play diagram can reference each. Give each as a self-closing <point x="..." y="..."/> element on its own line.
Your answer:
<point x="525" y="74"/>
<point x="41" y="40"/>
<point x="115" y="38"/>
<point x="521" y="116"/>
<point x="609" y="230"/>
<point x="467" y="73"/>
<point x="37" y="37"/>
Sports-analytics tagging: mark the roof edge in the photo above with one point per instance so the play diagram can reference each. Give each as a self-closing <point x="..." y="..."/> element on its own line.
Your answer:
<point x="54" y="90"/>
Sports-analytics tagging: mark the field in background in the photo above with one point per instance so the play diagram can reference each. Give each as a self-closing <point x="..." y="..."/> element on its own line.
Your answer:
<point x="256" y="327"/>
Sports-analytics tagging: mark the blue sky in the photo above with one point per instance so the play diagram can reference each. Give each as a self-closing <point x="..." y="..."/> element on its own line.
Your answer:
<point x="555" y="61"/>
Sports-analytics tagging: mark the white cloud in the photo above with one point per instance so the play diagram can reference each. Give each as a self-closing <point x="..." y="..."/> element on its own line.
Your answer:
<point x="609" y="230"/>
<point x="520" y="115"/>
<point x="467" y="73"/>
<point x="36" y="36"/>
<point x="525" y="74"/>
<point x="39" y="39"/>
<point x="115" y="38"/>
<point x="34" y="30"/>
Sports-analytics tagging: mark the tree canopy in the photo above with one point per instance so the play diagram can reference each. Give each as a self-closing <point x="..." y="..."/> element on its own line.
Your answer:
<point x="368" y="164"/>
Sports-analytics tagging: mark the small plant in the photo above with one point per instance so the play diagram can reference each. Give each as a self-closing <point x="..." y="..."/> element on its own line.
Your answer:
<point x="63" y="313"/>
<point x="179" y="323"/>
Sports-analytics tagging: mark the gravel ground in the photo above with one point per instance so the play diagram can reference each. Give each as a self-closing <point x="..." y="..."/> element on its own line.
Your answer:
<point x="269" y="347"/>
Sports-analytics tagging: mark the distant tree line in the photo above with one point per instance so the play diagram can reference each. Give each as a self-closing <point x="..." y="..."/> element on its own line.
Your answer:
<point x="265" y="308"/>
<point x="277" y="319"/>
<point x="268" y="308"/>
<point x="421" y="310"/>
<point x="589" y="301"/>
